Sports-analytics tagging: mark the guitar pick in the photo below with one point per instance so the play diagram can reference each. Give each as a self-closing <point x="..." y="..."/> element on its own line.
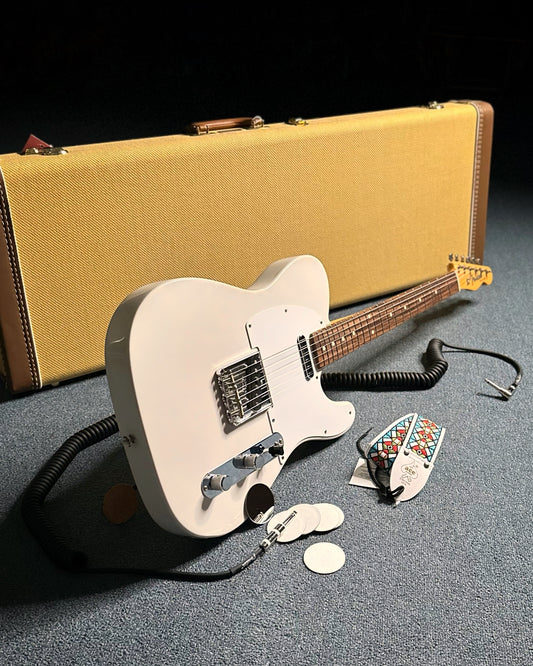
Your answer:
<point x="120" y="503"/>
<point x="324" y="558"/>
<point x="331" y="517"/>
<point x="319" y="517"/>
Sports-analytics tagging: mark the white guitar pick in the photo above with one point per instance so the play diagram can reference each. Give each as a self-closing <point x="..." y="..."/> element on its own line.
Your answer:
<point x="324" y="558"/>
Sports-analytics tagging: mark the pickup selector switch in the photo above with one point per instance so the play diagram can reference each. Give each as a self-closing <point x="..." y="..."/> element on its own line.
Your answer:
<point x="277" y="448"/>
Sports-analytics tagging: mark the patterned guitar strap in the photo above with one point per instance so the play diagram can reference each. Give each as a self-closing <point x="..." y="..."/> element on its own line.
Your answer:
<point x="400" y="459"/>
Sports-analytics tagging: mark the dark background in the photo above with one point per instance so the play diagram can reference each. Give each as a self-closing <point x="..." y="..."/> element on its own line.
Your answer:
<point x="84" y="74"/>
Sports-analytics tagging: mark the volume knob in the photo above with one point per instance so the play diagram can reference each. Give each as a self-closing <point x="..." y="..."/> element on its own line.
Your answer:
<point x="219" y="482"/>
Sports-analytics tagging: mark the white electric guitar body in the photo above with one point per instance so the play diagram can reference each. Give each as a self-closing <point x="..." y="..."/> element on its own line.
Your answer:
<point x="215" y="386"/>
<point x="213" y="391"/>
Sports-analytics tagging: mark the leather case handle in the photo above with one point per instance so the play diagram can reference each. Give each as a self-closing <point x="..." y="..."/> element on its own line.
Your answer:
<point x="207" y="126"/>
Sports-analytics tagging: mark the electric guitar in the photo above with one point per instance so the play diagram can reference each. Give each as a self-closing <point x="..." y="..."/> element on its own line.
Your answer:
<point x="215" y="386"/>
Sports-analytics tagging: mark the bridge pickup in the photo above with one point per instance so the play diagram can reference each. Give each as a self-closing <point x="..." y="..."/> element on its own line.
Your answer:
<point x="236" y="469"/>
<point x="244" y="389"/>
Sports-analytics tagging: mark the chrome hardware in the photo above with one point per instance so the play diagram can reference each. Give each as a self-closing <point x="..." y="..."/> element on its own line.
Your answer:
<point x="305" y="358"/>
<point x="505" y="393"/>
<point x="274" y="534"/>
<point x="249" y="461"/>
<point x="435" y="105"/>
<point x="297" y="121"/>
<point x="217" y="482"/>
<point x="242" y="465"/>
<point x="244" y="389"/>
<point x="46" y="150"/>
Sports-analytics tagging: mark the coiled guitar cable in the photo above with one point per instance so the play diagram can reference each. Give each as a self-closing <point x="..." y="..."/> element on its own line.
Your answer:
<point x="435" y="366"/>
<point x="61" y="554"/>
<point x="434" y="363"/>
<point x="76" y="561"/>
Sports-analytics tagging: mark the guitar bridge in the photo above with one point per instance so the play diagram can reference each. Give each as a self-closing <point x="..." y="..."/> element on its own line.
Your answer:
<point x="244" y="389"/>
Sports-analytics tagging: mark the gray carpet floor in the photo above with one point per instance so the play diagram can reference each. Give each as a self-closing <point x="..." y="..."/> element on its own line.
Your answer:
<point x="442" y="579"/>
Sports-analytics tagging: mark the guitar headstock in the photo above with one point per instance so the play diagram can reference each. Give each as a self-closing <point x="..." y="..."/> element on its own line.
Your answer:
<point x="470" y="273"/>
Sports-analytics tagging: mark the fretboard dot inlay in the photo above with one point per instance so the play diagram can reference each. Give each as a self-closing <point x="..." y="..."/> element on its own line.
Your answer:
<point x="344" y="336"/>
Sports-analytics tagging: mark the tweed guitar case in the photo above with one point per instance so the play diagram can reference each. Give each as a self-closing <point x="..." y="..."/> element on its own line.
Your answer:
<point x="381" y="198"/>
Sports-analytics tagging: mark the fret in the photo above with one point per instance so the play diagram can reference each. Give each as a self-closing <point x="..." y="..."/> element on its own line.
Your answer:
<point x="345" y="335"/>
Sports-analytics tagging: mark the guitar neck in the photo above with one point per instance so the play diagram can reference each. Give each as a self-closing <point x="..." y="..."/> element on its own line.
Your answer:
<point x="343" y="336"/>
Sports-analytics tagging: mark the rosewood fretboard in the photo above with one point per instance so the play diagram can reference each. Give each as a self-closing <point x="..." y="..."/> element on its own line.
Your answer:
<point x="343" y="336"/>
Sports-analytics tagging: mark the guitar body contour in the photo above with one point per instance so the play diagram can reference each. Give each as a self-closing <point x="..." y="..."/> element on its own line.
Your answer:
<point x="205" y="378"/>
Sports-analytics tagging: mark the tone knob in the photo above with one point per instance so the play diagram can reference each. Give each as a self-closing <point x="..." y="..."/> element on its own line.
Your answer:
<point x="248" y="460"/>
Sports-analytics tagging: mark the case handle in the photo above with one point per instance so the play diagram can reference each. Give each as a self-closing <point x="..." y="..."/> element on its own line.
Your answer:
<point x="207" y="126"/>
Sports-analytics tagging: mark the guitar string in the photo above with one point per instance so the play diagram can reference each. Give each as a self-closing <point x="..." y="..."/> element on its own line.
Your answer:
<point x="377" y="313"/>
<point x="373" y="317"/>
<point x="331" y="331"/>
<point x="244" y="377"/>
<point x="380" y="320"/>
<point x="415" y="293"/>
<point x="400" y="299"/>
<point x="354" y="323"/>
<point x="256" y="369"/>
<point x="258" y="400"/>
<point x="262" y="394"/>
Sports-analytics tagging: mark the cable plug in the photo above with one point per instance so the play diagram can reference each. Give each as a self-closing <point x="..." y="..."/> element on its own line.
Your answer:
<point x="506" y="393"/>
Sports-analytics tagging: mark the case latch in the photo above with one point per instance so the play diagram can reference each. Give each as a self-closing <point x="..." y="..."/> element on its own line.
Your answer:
<point x="36" y="146"/>
<point x="435" y="105"/>
<point x="297" y="121"/>
<point x="48" y="150"/>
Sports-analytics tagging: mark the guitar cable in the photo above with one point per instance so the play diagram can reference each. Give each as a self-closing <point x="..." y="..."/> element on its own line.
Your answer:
<point x="38" y="524"/>
<point x="435" y="367"/>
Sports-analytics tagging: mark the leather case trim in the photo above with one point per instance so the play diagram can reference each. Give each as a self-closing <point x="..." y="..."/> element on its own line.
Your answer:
<point x="18" y="351"/>
<point x="480" y="189"/>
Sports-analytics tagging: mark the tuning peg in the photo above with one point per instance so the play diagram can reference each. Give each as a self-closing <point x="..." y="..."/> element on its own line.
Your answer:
<point x="450" y="257"/>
